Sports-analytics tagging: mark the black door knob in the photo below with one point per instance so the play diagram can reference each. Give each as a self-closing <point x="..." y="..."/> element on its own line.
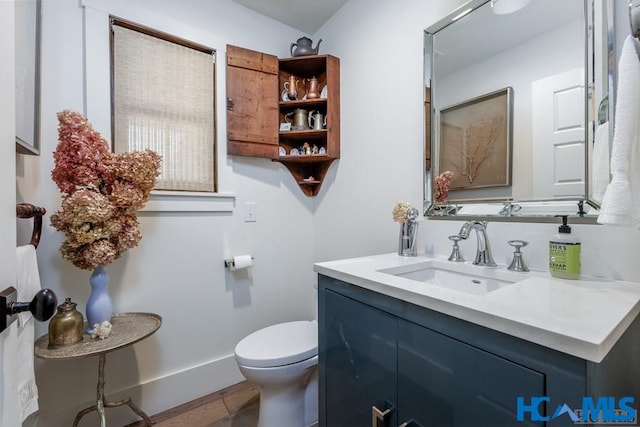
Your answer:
<point x="42" y="306"/>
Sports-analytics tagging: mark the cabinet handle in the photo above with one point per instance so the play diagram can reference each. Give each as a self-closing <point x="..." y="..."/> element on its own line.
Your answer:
<point x="378" y="415"/>
<point x="410" y="423"/>
<point x="229" y="104"/>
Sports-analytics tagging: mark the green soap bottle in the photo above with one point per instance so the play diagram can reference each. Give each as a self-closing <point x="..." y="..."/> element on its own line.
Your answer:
<point x="564" y="253"/>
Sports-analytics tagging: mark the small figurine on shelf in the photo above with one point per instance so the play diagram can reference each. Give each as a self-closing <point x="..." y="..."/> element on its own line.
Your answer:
<point x="306" y="148"/>
<point x="314" y="150"/>
<point x="101" y="330"/>
<point x="310" y="179"/>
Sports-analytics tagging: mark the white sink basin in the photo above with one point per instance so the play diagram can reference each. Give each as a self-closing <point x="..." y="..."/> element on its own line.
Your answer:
<point x="465" y="277"/>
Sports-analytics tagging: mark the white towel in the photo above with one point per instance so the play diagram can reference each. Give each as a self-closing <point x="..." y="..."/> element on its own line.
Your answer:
<point x="28" y="285"/>
<point x="27" y="278"/>
<point x="621" y="202"/>
<point x="600" y="163"/>
<point x="9" y="414"/>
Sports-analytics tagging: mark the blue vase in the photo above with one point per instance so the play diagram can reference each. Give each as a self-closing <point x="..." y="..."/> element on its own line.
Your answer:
<point x="99" y="307"/>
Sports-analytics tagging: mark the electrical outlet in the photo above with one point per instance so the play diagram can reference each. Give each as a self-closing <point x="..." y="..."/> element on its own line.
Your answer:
<point x="250" y="212"/>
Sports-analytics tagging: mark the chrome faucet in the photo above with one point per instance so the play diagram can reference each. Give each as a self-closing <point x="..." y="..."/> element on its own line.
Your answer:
<point x="483" y="255"/>
<point x="509" y="209"/>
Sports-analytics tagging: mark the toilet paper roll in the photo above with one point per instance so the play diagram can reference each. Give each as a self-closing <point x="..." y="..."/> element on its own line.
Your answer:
<point x="241" y="261"/>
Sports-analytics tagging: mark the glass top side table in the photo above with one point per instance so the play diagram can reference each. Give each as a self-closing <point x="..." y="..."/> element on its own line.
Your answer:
<point x="128" y="328"/>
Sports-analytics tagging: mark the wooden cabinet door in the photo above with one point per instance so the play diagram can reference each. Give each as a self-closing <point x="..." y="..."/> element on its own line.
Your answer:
<point x="358" y="368"/>
<point x="252" y="103"/>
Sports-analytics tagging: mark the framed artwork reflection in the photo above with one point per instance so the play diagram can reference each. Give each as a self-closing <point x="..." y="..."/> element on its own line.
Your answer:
<point x="27" y="77"/>
<point x="476" y="140"/>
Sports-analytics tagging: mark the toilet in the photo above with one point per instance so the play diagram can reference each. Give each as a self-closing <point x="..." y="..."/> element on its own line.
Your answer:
<point x="282" y="359"/>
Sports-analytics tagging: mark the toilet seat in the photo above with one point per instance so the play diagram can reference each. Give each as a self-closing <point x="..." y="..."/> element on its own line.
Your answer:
<point x="278" y="345"/>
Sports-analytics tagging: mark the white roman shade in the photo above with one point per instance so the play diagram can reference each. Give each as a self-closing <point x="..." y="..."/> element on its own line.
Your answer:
<point x="164" y="94"/>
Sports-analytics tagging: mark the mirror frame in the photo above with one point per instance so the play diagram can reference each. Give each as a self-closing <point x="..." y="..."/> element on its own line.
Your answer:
<point x="29" y="38"/>
<point x="584" y="209"/>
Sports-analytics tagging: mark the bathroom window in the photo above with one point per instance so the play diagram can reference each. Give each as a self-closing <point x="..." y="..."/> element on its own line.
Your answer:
<point x="163" y="91"/>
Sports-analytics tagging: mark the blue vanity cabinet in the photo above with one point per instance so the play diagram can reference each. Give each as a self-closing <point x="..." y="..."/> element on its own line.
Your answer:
<point x="378" y="353"/>
<point x="378" y="366"/>
<point x="360" y="363"/>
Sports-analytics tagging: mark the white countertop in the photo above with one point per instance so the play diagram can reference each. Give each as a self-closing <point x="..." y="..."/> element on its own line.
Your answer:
<point x="583" y="317"/>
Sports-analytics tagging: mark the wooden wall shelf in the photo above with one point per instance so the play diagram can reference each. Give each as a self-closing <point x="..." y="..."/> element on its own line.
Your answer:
<point x="305" y="103"/>
<point x="255" y="110"/>
<point x="303" y="134"/>
<point x="313" y="158"/>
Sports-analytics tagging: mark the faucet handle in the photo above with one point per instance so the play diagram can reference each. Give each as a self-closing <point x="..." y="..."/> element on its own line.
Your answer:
<point x="455" y="256"/>
<point x="517" y="264"/>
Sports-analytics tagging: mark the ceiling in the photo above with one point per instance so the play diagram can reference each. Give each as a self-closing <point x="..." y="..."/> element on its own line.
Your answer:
<point x="304" y="15"/>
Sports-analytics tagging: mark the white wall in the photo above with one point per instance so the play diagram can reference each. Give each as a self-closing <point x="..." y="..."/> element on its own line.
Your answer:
<point x="177" y="270"/>
<point x="380" y="45"/>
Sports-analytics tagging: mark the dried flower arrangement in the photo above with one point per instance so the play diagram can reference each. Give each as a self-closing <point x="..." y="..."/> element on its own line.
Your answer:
<point x="101" y="193"/>
<point x="441" y="186"/>
<point x="404" y="212"/>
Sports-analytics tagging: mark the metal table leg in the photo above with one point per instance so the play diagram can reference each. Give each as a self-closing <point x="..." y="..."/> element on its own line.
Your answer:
<point x="102" y="403"/>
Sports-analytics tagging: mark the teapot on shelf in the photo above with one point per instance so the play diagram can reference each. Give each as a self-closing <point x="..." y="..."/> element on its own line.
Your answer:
<point x="317" y="121"/>
<point x="303" y="47"/>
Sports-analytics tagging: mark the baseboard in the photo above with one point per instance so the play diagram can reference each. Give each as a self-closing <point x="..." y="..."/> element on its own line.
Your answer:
<point x="152" y="397"/>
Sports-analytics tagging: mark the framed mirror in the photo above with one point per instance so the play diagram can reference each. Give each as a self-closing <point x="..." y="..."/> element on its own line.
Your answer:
<point x="27" y="77"/>
<point x="516" y="92"/>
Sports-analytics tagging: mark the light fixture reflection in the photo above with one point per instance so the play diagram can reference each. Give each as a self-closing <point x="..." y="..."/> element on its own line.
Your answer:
<point x="504" y="7"/>
<point x="461" y="14"/>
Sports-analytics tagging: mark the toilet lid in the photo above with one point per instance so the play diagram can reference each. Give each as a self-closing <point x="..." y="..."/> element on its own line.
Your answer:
<point x="279" y="345"/>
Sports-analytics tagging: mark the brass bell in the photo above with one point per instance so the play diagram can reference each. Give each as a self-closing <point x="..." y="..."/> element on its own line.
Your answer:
<point x="66" y="327"/>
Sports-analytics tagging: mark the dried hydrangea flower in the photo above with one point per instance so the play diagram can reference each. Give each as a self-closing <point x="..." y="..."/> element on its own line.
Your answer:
<point x="80" y="207"/>
<point x="129" y="234"/>
<point x="82" y="157"/>
<point x="401" y="212"/>
<point x="101" y="193"/>
<point x="141" y="168"/>
<point x="441" y="186"/>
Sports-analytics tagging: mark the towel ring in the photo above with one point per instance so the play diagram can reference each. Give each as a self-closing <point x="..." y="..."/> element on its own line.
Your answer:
<point x="27" y="210"/>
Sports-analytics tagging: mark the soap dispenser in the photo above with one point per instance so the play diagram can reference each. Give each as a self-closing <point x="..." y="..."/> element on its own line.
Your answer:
<point x="564" y="253"/>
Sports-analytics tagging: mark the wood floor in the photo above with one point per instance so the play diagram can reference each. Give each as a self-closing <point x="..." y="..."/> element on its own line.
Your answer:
<point x="235" y="406"/>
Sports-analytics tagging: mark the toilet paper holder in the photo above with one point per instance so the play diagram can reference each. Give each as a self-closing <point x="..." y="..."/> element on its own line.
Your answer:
<point x="229" y="263"/>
